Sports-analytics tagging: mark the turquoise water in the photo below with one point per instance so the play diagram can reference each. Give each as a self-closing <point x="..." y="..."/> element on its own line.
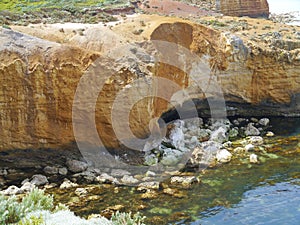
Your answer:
<point x="274" y="204"/>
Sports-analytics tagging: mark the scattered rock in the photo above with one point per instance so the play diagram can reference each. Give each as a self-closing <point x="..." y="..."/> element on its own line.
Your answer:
<point x="253" y="158"/>
<point x="81" y="192"/>
<point x="67" y="184"/>
<point x="39" y="180"/>
<point x="148" y="185"/>
<point x="150" y="174"/>
<point x="3" y="172"/>
<point x="256" y="140"/>
<point x="12" y="190"/>
<point x="185" y="180"/>
<point x="126" y="179"/>
<point x="171" y="157"/>
<point x="63" y="171"/>
<point x="27" y="187"/>
<point x="249" y="147"/>
<point x="119" y="173"/>
<point x="105" y="178"/>
<point x="264" y="122"/>
<point x="270" y="134"/>
<point x="76" y="166"/>
<point x="149" y="194"/>
<point x="219" y="135"/>
<point x="174" y="192"/>
<point x="251" y="130"/>
<point x="223" y="156"/>
<point x="50" y="170"/>
<point x="239" y="150"/>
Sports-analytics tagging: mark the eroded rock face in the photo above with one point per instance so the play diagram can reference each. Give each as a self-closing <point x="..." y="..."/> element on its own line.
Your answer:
<point x="252" y="8"/>
<point x="39" y="80"/>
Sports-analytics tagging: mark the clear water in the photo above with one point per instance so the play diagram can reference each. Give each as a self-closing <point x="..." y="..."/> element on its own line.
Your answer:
<point x="234" y="193"/>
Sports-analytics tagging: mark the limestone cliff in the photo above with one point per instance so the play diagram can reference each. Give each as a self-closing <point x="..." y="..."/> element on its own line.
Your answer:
<point x="39" y="78"/>
<point x="252" y="8"/>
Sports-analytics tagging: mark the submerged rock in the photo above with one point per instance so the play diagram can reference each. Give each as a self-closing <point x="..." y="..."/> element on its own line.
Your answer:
<point x="249" y="147"/>
<point x="184" y="180"/>
<point x="219" y="135"/>
<point x="126" y="179"/>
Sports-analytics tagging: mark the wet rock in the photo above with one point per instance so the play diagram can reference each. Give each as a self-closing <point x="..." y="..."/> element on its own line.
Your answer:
<point x="149" y="173"/>
<point x="264" y="122"/>
<point x="205" y="153"/>
<point x="3" y="172"/>
<point x="223" y="156"/>
<point x="227" y="144"/>
<point x="50" y="170"/>
<point x="63" y="171"/>
<point x="11" y="190"/>
<point x="119" y="172"/>
<point x="76" y="166"/>
<point x="39" y="180"/>
<point x="88" y="176"/>
<point x="126" y="179"/>
<point x="176" y="134"/>
<point x="184" y="180"/>
<point x="249" y="147"/>
<point x="81" y="192"/>
<point x="253" y="158"/>
<point x="174" y="192"/>
<point x="150" y="159"/>
<point x="148" y="185"/>
<point x="219" y="135"/>
<point x="270" y="134"/>
<point x="105" y="178"/>
<point x="27" y="187"/>
<point x="233" y="133"/>
<point x="171" y="157"/>
<point x="239" y="150"/>
<point x="251" y="130"/>
<point x="149" y="194"/>
<point x="67" y="184"/>
<point x="256" y="140"/>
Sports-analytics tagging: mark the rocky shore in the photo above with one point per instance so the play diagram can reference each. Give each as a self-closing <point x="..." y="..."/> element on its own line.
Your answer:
<point x="207" y="143"/>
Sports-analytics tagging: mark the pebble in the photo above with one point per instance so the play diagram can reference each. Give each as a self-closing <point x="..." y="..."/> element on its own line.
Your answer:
<point x="264" y="122"/>
<point x="63" y="171"/>
<point x="105" y="178"/>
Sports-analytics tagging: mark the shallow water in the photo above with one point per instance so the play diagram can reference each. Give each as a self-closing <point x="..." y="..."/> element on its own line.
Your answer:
<point x="233" y="193"/>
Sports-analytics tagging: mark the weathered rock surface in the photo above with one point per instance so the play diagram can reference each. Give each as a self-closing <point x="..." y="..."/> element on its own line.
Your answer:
<point x="39" y="80"/>
<point x="252" y="8"/>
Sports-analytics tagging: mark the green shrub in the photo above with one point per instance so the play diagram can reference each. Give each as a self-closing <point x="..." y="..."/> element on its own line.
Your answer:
<point x="37" y="200"/>
<point x="12" y="211"/>
<point x="126" y="219"/>
<point x="33" y="220"/>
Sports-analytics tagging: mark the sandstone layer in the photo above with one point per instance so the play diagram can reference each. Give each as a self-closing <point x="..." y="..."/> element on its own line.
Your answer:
<point x="39" y="77"/>
<point x="252" y="8"/>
